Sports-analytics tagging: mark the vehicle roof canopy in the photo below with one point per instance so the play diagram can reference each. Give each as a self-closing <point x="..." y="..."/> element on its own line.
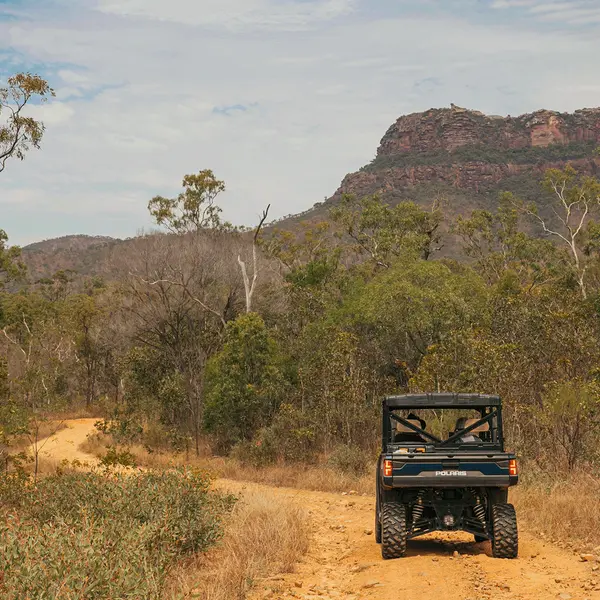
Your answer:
<point x="441" y="400"/>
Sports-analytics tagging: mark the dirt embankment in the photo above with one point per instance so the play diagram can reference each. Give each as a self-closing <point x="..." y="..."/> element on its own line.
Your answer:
<point x="344" y="562"/>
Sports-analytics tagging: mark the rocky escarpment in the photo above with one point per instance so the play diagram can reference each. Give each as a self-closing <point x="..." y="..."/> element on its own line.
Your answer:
<point x="472" y="153"/>
<point x="449" y="129"/>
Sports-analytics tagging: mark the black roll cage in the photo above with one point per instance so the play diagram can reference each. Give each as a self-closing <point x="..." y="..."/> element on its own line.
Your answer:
<point x="495" y="406"/>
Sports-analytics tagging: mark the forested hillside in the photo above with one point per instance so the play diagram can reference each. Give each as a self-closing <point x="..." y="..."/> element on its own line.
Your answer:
<point x="79" y="255"/>
<point x="466" y="159"/>
<point x="278" y="345"/>
<point x="460" y="159"/>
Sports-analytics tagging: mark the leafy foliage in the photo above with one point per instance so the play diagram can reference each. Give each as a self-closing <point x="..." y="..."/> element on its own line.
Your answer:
<point x="576" y="201"/>
<point x="10" y="265"/>
<point x="18" y="132"/>
<point x="95" y="536"/>
<point x="500" y="248"/>
<point x="382" y="232"/>
<point x="194" y="209"/>
<point x="349" y="459"/>
<point x="568" y="418"/>
<point x="244" y="382"/>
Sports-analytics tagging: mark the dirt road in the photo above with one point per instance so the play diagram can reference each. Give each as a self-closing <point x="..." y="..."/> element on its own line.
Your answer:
<point x="65" y="444"/>
<point x="344" y="562"/>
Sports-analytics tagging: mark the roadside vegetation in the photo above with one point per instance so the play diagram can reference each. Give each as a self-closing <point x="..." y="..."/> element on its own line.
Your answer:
<point x="564" y="510"/>
<point x="93" y="535"/>
<point x="264" y="537"/>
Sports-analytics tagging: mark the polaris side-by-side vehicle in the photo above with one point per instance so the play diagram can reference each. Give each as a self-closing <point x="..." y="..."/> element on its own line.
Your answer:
<point x="443" y="467"/>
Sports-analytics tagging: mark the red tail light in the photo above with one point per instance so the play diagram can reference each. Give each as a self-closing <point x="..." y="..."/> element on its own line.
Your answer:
<point x="387" y="468"/>
<point x="512" y="467"/>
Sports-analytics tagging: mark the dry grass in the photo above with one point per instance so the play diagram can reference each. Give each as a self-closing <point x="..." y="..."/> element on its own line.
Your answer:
<point x="266" y="536"/>
<point x="307" y="477"/>
<point x="317" y="478"/>
<point x="562" y="510"/>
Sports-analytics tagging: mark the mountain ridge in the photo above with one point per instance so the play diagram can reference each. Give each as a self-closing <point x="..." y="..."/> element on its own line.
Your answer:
<point x="462" y="155"/>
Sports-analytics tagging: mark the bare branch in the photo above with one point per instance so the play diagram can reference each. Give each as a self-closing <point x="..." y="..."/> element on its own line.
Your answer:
<point x="14" y="342"/>
<point x="195" y="299"/>
<point x="262" y="222"/>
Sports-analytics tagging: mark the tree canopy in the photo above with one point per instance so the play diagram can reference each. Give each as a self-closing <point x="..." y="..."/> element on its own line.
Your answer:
<point x="19" y="132"/>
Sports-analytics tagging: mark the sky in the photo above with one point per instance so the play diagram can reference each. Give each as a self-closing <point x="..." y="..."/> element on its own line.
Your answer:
<point x="280" y="98"/>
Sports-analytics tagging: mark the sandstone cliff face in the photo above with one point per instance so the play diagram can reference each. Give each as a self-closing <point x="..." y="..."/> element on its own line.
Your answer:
<point x="449" y="129"/>
<point x="470" y="151"/>
<point x="475" y="176"/>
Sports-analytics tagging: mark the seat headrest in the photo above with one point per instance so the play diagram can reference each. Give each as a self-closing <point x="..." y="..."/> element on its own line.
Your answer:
<point x="483" y="427"/>
<point x="400" y="428"/>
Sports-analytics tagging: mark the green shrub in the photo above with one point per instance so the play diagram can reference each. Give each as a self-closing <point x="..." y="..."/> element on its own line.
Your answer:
<point x="91" y="536"/>
<point x="114" y="457"/>
<point x="294" y="432"/>
<point x="349" y="459"/>
<point x="259" y="452"/>
<point x="289" y="438"/>
<point x="158" y="437"/>
<point x="123" y="428"/>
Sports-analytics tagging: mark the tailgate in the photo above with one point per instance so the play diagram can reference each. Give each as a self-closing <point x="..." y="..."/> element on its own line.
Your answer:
<point x="441" y="470"/>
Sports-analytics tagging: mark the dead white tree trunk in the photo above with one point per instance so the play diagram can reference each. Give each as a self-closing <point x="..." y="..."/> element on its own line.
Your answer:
<point x="250" y="286"/>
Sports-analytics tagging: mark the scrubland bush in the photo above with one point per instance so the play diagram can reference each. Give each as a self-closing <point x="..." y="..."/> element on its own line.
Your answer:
<point x="349" y="460"/>
<point x="290" y="438"/>
<point x="114" y="457"/>
<point x="91" y="536"/>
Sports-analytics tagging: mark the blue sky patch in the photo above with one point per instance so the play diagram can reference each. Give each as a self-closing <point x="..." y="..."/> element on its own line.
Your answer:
<point x="232" y="109"/>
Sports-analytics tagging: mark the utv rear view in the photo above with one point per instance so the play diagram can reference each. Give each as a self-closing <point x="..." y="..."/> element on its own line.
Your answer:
<point x="443" y="467"/>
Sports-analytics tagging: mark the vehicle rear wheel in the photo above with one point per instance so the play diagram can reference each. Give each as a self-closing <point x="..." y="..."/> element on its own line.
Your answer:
<point x="505" y="540"/>
<point x="393" y="530"/>
<point x="377" y="527"/>
<point x="377" y="516"/>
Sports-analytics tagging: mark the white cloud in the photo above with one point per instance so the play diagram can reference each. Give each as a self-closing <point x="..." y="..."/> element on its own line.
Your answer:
<point x="52" y="114"/>
<point x="135" y="110"/>
<point x="574" y="13"/>
<point x="512" y="3"/>
<point x="73" y="77"/>
<point x="233" y="14"/>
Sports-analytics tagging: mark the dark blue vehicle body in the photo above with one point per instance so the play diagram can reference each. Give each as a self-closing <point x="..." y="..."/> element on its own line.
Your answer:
<point x="445" y="484"/>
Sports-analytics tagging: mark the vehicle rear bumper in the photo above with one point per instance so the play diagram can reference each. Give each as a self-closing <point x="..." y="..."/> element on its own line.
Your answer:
<point x="449" y="481"/>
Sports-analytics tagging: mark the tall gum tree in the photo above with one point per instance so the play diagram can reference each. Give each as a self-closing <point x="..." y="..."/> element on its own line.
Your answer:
<point x="575" y="204"/>
<point x="18" y="131"/>
<point x="18" y="134"/>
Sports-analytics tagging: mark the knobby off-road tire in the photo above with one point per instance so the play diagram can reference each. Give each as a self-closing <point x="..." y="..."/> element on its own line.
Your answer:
<point x="377" y="515"/>
<point x="505" y="541"/>
<point x="393" y="530"/>
<point x="377" y="527"/>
